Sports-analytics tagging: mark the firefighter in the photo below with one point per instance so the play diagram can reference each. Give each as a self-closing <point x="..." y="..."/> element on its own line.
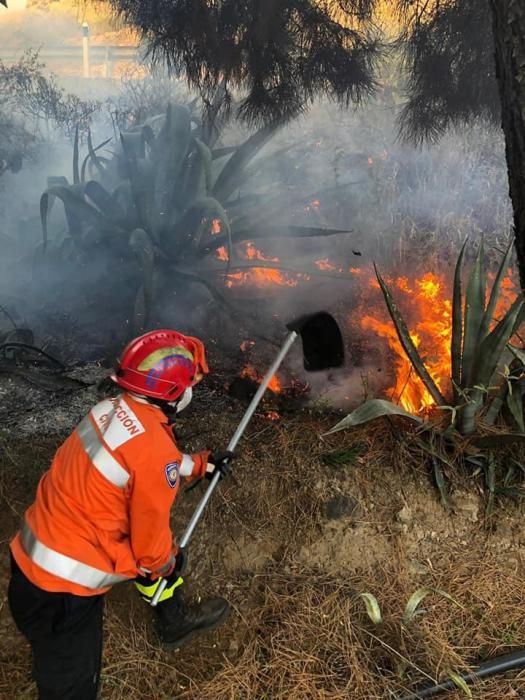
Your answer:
<point x="102" y="516"/>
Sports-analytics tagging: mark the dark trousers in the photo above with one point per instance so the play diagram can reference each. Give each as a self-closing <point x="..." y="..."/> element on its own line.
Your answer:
<point x="65" y="633"/>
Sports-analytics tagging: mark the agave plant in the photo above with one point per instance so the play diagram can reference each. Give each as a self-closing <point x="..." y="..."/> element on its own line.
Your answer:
<point x="479" y="349"/>
<point x="155" y="199"/>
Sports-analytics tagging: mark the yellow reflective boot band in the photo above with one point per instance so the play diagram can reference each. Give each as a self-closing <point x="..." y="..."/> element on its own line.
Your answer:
<point x="149" y="591"/>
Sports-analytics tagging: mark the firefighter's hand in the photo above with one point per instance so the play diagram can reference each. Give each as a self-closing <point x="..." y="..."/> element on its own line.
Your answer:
<point x="219" y="462"/>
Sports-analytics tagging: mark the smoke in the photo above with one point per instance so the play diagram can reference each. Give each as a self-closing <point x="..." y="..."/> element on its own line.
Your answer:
<point x="407" y="208"/>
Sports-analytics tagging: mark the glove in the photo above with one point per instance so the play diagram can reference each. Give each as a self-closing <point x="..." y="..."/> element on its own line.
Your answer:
<point x="219" y="462"/>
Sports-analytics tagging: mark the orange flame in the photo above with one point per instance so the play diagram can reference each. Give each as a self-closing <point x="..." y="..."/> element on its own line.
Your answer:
<point x="426" y="306"/>
<point x="216" y="227"/>
<point x="430" y="326"/>
<point x="250" y="372"/>
<point x="257" y="276"/>
<point x="222" y="254"/>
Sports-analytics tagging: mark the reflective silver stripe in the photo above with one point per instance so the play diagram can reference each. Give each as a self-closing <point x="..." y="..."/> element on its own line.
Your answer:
<point x="64" y="567"/>
<point x="186" y="466"/>
<point x="103" y="460"/>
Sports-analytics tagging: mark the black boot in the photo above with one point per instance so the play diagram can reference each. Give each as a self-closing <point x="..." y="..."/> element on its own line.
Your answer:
<point x="177" y="622"/>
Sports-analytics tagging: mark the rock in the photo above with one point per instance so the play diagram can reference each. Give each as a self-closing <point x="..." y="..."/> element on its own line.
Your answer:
<point x="339" y="507"/>
<point x="405" y="516"/>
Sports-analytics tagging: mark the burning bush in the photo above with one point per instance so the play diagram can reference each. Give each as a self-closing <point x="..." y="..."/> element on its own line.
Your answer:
<point x="476" y="332"/>
<point x="170" y="199"/>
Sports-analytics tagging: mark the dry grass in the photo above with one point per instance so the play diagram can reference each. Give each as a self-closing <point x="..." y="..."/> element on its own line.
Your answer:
<point x="298" y="631"/>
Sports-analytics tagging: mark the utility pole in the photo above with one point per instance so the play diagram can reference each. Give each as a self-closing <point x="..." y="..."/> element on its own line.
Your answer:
<point x="85" y="49"/>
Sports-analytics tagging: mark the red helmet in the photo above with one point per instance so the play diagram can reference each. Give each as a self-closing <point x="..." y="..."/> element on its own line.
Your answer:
<point x="161" y="364"/>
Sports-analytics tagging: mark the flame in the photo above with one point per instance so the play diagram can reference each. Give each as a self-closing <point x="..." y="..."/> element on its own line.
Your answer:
<point x="222" y="254"/>
<point x="216" y="227"/>
<point x="427" y="307"/>
<point x="257" y="276"/>
<point x="250" y="372"/>
<point x="327" y="266"/>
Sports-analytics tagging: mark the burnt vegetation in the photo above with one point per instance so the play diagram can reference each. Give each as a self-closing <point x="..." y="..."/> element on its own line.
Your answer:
<point x="328" y="538"/>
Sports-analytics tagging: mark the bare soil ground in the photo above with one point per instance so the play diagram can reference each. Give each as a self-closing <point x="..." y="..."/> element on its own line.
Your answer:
<point x="291" y="541"/>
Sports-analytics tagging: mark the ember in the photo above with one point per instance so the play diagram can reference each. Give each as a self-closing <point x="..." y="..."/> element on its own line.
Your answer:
<point x="247" y="345"/>
<point x="272" y="415"/>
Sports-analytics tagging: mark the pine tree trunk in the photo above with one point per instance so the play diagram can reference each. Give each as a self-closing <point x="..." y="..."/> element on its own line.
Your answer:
<point x="509" y="40"/>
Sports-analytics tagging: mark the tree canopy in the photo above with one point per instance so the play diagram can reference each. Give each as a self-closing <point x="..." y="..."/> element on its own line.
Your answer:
<point x="277" y="55"/>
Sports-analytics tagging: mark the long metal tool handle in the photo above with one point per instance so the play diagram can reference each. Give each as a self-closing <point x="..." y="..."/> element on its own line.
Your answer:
<point x="186" y="537"/>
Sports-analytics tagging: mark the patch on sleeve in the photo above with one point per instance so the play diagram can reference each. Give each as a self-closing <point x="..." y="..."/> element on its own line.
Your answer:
<point x="172" y="473"/>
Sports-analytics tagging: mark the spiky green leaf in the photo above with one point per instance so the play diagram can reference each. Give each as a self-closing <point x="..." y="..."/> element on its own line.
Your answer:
<point x="490" y="352"/>
<point x="372" y="607"/>
<point x="232" y="175"/>
<point x="440" y="481"/>
<point x="457" y="324"/>
<point x="370" y="410"/>
<point x="460" y="683"/>
<point x="474" y="311"/>
<point x="416" y="599"/>
<point x="408" y="344"/>
<point x="494" y="294"/>
<point x="515" y="404"/>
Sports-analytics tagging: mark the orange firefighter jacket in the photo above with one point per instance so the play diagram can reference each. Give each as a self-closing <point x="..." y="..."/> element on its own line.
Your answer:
<point x="102" y="511"/>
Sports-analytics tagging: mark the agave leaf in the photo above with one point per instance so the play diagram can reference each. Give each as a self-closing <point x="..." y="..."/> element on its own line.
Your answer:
<point x="77" y="210"/>
<point x="498" y="440"/>
<point x="222" y="152"/>
<point x="193" y="226"/>
<point x="372" y="607"/>
<point x="457" y="325"/>
<point x="494" y="294"/>
<point x="417" y="597"/>
<point x="515" y="404"/>
<point x="142" y="246"/>
<point x="474" y="311"/>
<point x="496" y="404"/>
<point x="133" y="144"/>
<point x="105" y="202"/>
<point x="370" y="410"/>
<point x="173" y="145"/>
<point x="140" y="175"/>
<point x="197" y="178"/>
<point x="53" y="181"/>
<point x="488" y="357"/>
<point x="76" y="172"/>
<point x="149" y="137"/>
<point x="518" y="353"/>
<point x="93" y="158"/>
<point x="490" y="351"/>
<point x="231" y="176"/>
<point x="408" y="344"/>
<point x="460" y="683"/>
<point x="273" y="232"/>
<point x="440" y="482"/>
